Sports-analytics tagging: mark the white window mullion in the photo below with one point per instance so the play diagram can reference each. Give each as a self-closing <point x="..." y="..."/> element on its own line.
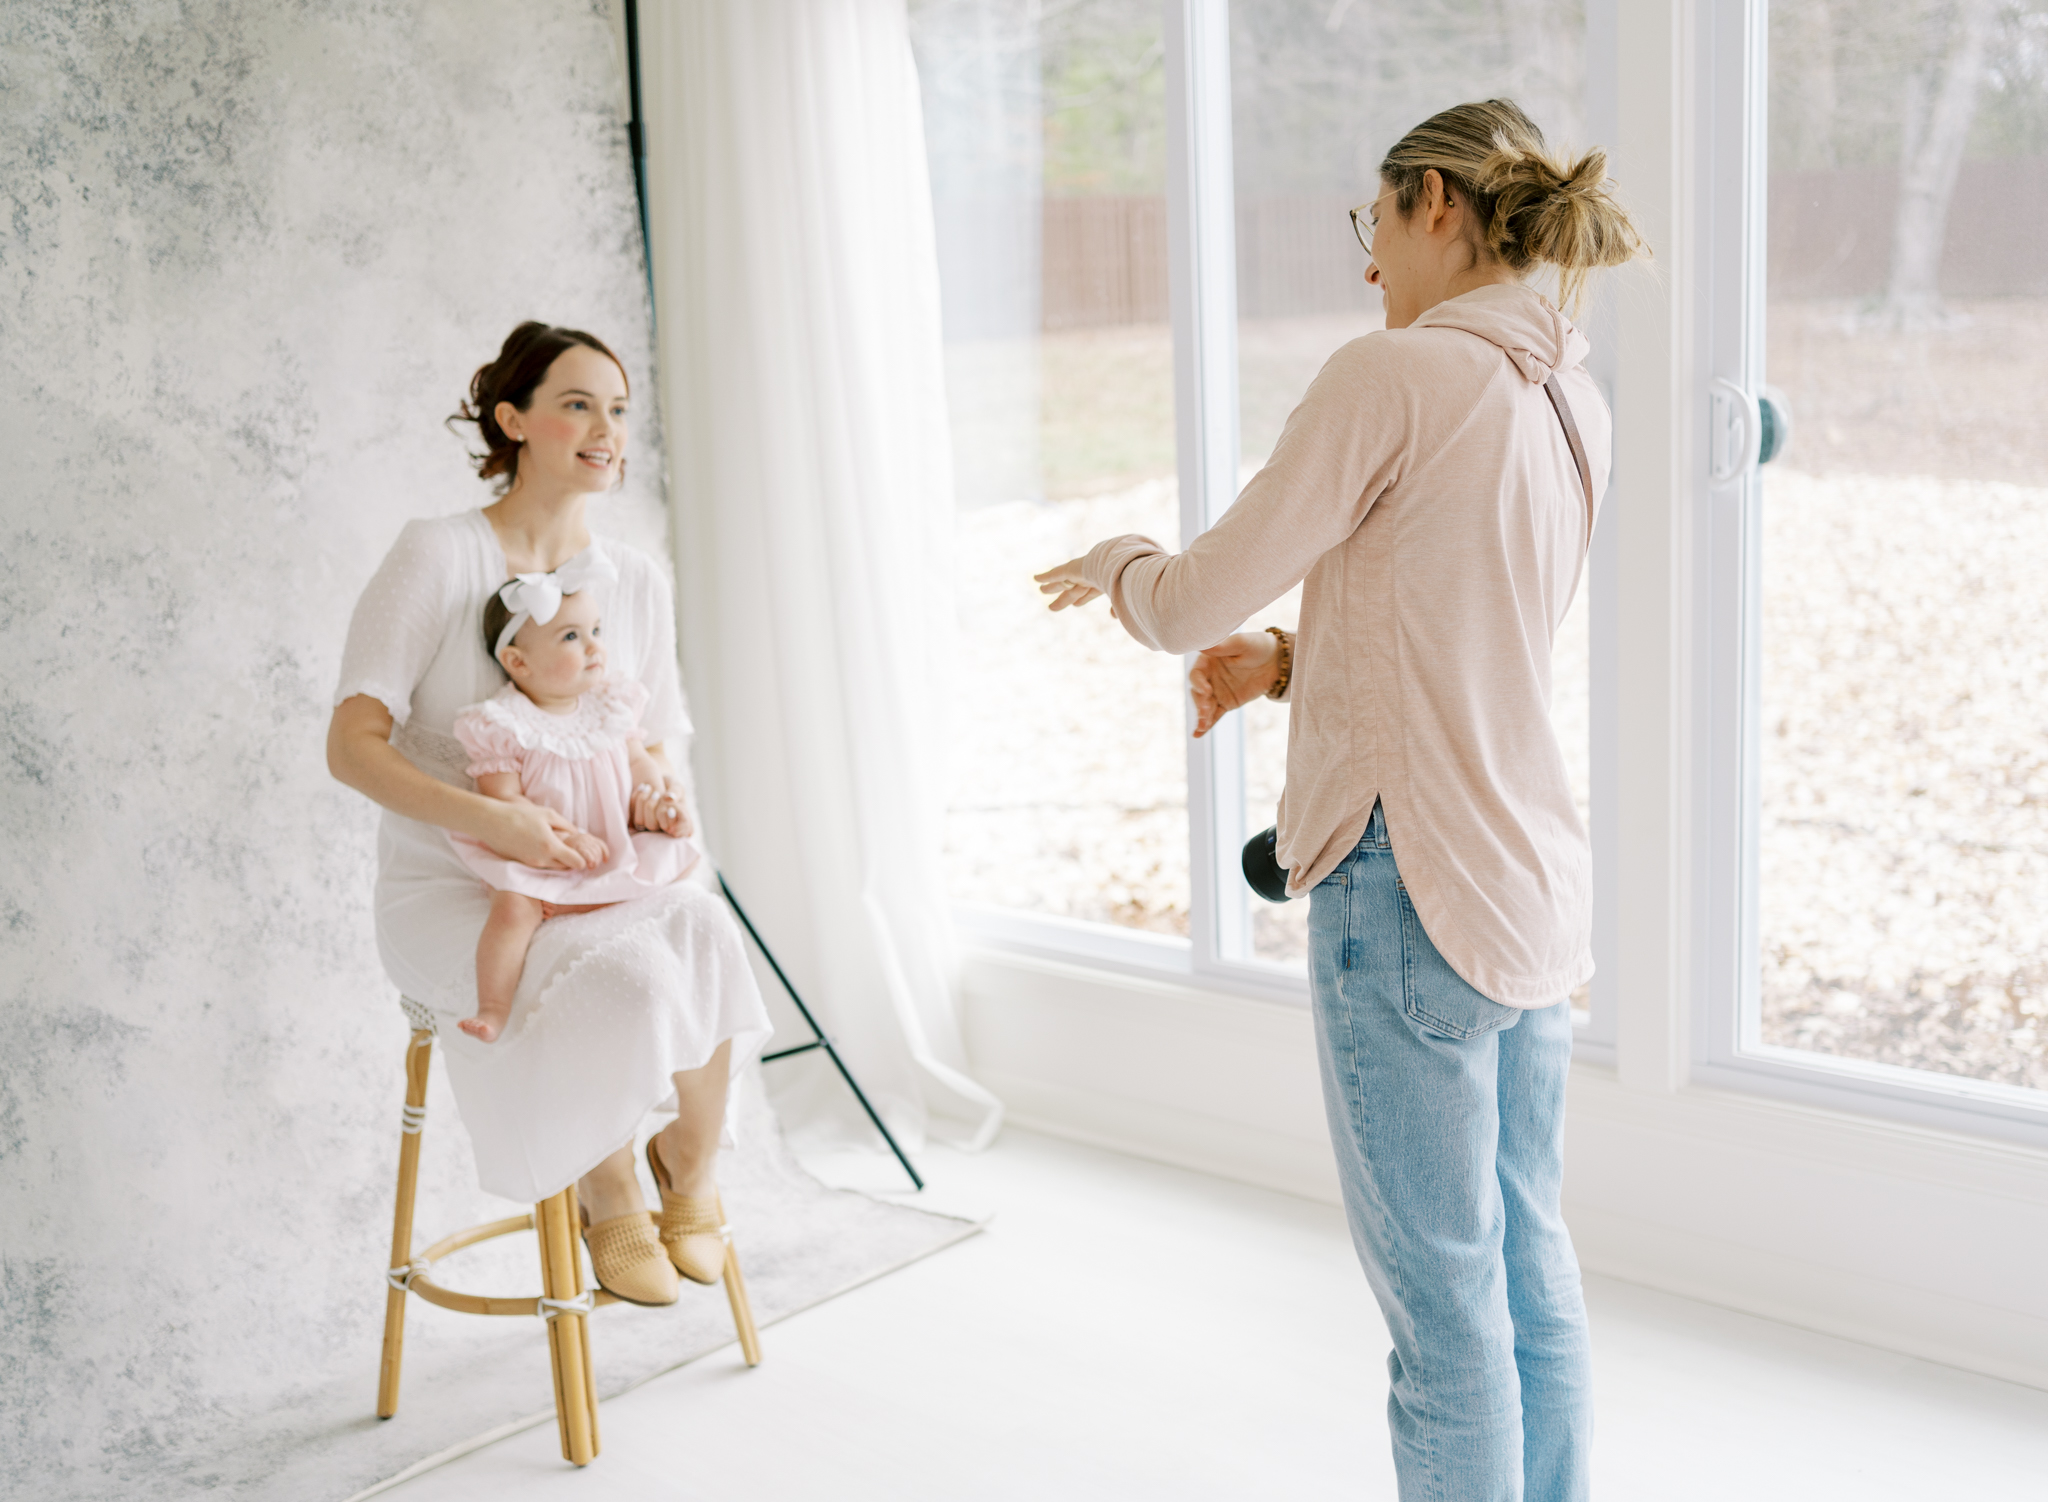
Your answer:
<point x="1730" y="352"/>
<point x="1595" y="1040"/>
<point x="1202" y="268"/>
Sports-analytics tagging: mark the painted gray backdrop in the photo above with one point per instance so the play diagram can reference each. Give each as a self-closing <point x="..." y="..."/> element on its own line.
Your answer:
<point x="250" y="252"/>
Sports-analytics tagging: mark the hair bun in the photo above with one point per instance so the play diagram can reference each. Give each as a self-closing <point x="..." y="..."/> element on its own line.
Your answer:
<point x="1550" y="214"/>
<point x="1532" y="208"/>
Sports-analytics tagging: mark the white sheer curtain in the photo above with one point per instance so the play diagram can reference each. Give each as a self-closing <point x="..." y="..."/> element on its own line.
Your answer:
<point x="797" y="294"/>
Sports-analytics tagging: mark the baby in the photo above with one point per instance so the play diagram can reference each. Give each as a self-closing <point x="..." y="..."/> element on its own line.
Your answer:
<point x="562" y="735"/>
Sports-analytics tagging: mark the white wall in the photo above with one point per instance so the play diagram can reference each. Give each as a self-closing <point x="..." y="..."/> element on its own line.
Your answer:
<point x="1918" y="1240"/>
<point x="250" y="255"/>
<point x="1907" y="1238"/>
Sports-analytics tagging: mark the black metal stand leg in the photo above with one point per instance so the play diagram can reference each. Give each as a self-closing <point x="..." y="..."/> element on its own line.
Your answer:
<point x="818" y="1036"/>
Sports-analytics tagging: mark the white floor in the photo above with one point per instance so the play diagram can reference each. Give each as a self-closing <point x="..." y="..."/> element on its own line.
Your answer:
<point x="1126" y="1331"/>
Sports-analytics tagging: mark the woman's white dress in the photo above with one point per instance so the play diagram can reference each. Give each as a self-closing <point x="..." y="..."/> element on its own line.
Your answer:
<point x="612" y="1002"/>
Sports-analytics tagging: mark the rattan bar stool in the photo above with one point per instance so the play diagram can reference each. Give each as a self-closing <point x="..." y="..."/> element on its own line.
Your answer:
<point x="563" y="1301"/>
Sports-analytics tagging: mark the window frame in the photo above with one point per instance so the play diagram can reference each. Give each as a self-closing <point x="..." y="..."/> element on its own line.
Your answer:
<point x="1724" y="536"/>
<point x="1201" y="195"/>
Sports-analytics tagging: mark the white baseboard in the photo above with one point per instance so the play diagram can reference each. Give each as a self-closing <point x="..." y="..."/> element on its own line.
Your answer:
<point x="1223" y="1084"/>
<point x="1914" y="1321"/>
<point x="1161" y="1134"/>
<point x="1925" y="1242"/>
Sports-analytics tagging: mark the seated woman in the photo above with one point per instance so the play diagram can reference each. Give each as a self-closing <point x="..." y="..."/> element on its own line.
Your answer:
<point x="645" y="1004"/>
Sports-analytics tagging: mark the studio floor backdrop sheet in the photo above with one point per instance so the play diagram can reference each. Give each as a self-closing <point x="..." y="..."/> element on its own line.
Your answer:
<point x="250" y="254"/>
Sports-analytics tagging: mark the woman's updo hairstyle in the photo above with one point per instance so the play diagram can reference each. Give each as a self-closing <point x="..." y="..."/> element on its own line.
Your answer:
<point x="520" y="367"/>
<point x="1532" y="208"/>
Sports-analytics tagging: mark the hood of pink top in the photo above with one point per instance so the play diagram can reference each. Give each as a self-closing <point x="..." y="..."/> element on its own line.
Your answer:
<point x="1537" y="337"/>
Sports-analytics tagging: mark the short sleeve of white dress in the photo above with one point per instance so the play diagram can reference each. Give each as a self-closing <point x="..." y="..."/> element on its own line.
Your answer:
<point x="399" y="621"/>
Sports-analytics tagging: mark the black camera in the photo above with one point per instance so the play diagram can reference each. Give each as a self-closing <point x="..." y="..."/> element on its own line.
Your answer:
<point x="1262" y="869"/>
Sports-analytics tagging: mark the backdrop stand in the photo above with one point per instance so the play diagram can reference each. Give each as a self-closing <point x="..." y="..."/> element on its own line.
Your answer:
<point x="819" y="1039"/>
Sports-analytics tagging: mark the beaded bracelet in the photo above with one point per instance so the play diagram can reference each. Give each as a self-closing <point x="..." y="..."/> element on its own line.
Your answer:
<point x="1286" y="641"/>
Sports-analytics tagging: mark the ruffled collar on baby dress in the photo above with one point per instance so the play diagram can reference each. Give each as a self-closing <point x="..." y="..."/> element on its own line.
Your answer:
<point x="602" y="718"/>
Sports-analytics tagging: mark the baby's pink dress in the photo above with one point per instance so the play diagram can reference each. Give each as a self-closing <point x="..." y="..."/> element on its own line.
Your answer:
<point x="575" y="764"/>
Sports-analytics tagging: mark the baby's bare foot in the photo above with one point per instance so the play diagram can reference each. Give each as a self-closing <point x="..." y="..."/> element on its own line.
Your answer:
<point x="483" y="1027"/>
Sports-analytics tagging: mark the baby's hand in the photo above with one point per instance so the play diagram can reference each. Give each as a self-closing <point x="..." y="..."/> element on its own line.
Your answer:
<point x="659" y="809"/>
<point x="587" y="845"/>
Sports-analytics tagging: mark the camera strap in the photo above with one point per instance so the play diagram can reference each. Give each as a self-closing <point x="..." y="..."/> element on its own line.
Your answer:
<point x="1571" y="436"/>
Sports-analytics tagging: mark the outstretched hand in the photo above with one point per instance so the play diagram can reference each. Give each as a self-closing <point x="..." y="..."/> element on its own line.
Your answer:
<point x="1234" y="672"/>
<point x="1069" y="586"/>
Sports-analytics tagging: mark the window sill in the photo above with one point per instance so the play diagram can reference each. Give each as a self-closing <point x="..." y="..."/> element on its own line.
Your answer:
<point x="1124" y="951"/>
<point x="1134" y="952"/>
<point x="1916" y="1097"/>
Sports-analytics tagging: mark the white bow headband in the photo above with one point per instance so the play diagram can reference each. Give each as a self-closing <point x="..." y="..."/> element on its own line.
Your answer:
<point x="536" y="597"/>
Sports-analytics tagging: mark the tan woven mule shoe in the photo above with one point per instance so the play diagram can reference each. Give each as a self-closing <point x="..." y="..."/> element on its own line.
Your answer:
<point x="629" y="1260"/>
<point x="692" y="1229"/>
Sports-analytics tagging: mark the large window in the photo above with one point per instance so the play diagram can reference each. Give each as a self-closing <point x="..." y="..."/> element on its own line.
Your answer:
<point x="1146" y="259"/>
<point x="1904" y="839"/>
<point x="1047" y="139"/>
<point x="1883" y="573"/>
<point x="1146" y="256"/>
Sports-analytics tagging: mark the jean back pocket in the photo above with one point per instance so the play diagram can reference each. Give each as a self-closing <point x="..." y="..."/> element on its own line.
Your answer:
<point x="1435" y="996"/>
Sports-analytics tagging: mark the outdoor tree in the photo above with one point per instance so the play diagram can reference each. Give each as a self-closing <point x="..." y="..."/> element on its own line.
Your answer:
<point x="1939" y="105"/>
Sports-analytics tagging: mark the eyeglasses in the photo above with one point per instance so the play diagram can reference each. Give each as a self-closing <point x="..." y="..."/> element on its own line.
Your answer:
<point x="1363" y="226"/>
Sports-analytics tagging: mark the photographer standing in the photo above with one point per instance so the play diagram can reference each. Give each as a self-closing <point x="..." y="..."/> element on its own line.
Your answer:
<point x="1434" y="498"/>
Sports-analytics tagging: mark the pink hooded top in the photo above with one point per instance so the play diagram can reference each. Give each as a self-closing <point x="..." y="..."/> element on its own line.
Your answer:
<point x="1425" y="497"/>
<point x="578" y="765"/>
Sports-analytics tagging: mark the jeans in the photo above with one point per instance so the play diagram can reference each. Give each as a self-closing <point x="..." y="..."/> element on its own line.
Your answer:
<point x="1447" y="1113"/>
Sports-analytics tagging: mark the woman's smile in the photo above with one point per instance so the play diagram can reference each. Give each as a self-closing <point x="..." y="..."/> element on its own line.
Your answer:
<point x="573" y="434"/>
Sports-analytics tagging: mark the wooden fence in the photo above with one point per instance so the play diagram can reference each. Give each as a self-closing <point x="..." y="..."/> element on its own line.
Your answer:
<point x="1104" y="262"/>
<point x="1104" y="259"/>
<point x="1830" y="233"/>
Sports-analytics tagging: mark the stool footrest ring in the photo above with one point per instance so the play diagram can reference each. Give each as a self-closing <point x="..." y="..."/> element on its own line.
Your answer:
<point x="412" y="1278"/>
